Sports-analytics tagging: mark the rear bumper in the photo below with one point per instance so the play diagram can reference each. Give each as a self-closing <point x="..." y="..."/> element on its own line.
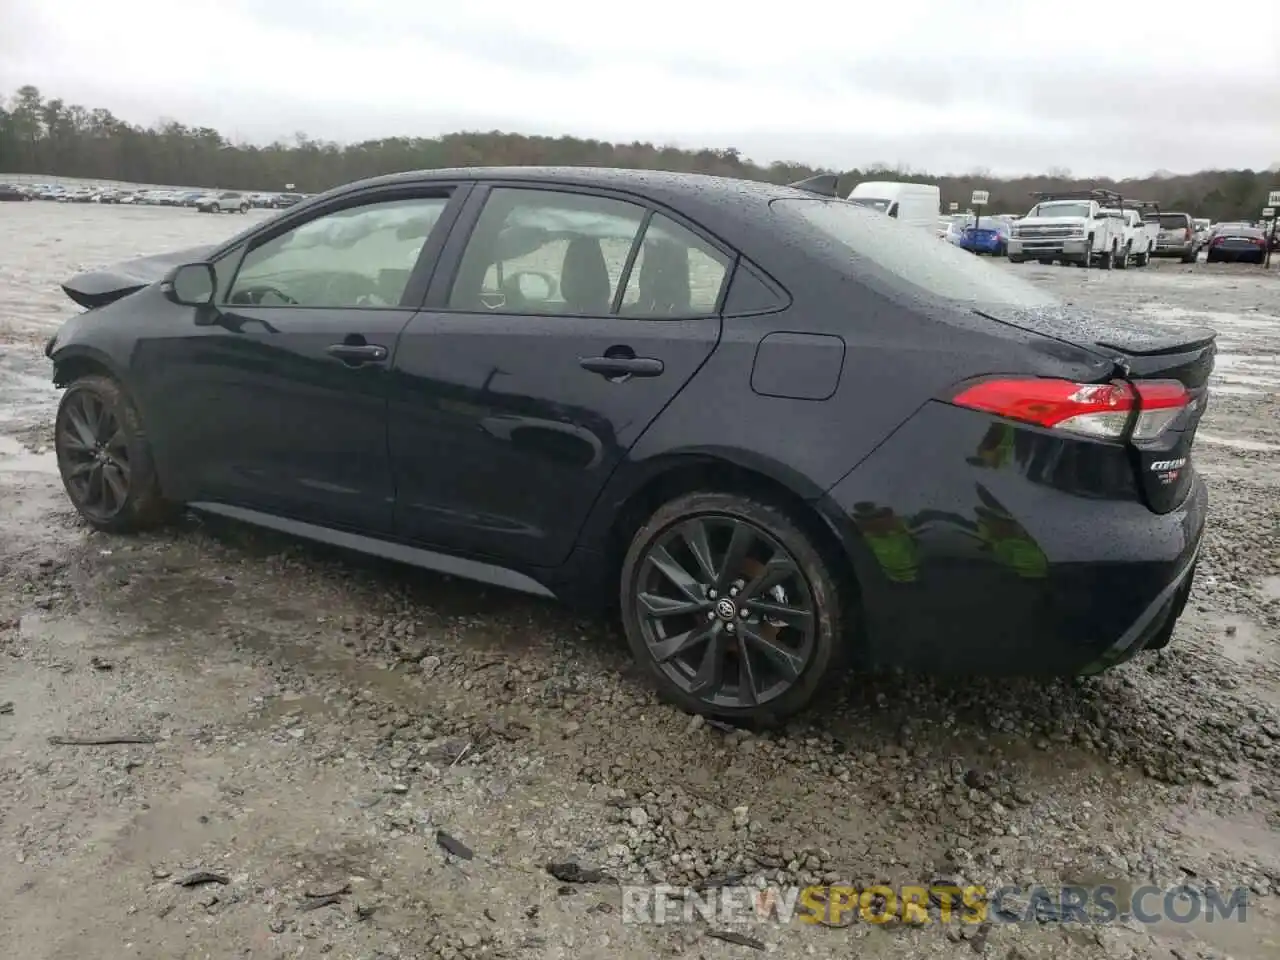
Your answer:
<point x="983" y="547"/>
<point x="1174" y="249"/>
<point x="1238" y="253"/>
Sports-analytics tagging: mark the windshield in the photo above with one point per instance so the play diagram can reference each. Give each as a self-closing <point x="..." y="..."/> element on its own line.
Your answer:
<point x="1060" y="208"/>
<point x="1172" y="221"/>
<point x="912" y="255"/>
<point x="873" y="202"/>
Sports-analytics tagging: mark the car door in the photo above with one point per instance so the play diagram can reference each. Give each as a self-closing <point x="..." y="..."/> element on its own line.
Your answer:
<point x="277" y="399"/>
<point x="559" y="326"/>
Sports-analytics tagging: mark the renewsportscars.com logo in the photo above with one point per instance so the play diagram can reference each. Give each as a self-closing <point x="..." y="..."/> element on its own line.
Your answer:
<point x="839" y="905"/>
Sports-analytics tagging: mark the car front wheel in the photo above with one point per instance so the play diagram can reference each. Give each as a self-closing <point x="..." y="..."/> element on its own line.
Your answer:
<point x="731" y="608"/>
<point x="105" y="460"/>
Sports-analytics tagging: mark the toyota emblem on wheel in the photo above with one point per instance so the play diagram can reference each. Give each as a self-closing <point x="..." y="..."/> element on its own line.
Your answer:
<point x="725" y="609"/>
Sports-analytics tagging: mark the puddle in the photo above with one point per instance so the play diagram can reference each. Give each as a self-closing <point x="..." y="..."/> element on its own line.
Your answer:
<point x="1238" y="443"/>
<point x="1242" y="641"/>
<point x="15" y="458"/>
<point x="1235" y="390"/>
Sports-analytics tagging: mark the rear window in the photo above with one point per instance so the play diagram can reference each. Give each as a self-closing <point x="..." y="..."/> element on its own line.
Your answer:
<point x="912" y="255"/>
<point x="1172" y="221"/>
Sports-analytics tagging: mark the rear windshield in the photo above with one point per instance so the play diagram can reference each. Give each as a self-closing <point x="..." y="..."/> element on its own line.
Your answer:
<point x="1172" y="221"/>
<point x="912" y="255"/>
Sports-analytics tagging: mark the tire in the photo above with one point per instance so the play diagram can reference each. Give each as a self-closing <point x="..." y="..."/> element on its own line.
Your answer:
<point x="1108" y="259"/>
<point x="1144" y="258"/>
<point x="1122" y="259"/>
<point x="1045" y="263"/>
<point x="140" y="506"/>
<point x="244" y="208"/>
<point x="815" y="641"/>
<point x="1017" y="259"/>
<point x="215" y="209"/>
<point x="1190" y="255"/>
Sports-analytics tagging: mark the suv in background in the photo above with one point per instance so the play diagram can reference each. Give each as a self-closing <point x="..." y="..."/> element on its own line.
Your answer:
<point x="1178" y="236"/>
<point x="227" y="201"/>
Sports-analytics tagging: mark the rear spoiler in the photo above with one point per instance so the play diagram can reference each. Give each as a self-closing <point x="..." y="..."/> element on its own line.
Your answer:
<point x="824" y="185"/>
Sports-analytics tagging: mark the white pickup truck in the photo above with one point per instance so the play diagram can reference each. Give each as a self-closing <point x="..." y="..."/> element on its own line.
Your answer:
<point x="1139" y="238"/>
<point x="1068" y="228"/>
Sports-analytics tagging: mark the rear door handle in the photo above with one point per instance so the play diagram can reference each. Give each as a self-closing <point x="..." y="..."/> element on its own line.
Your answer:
<point x="358" y="353"/>
<point x="620" y="367"/>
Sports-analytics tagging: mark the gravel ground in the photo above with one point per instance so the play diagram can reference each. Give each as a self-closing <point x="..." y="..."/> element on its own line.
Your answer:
<point x="320" y="718"/>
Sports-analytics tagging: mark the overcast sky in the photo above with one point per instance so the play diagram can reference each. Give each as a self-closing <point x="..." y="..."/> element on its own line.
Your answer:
<point x="941" y="85"/>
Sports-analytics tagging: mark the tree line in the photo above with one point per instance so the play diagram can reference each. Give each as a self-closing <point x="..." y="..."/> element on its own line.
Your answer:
<point x="53" y="138"/>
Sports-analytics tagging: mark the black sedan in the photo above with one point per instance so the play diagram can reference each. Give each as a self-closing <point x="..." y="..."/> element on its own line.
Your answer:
<point x="1237" y="243"/>
<point x="779" y="431"/>
<point x="9" y="191"/>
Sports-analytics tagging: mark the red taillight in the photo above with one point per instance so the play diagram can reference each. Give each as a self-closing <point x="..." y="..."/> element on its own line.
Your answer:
<point x="1215" y="241"/>
<point x="1187" y="234"/>
<point x="1099" y="410"/>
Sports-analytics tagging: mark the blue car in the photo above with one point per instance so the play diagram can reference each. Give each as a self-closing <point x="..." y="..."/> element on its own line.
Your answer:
<point x="988" y="236"/>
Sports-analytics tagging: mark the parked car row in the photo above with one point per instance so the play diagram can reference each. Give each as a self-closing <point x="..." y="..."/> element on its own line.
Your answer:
<point x="207" y="201"/>
<point x="1101" y="228"/>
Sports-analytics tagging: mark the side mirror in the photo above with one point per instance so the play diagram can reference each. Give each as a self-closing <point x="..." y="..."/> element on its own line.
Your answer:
<point x="191" y="285"/>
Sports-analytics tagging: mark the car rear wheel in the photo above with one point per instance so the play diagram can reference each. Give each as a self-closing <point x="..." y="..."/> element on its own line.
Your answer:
<point x="731" y="608"/>
<point x="215" y="209"/>
<point x="105" y="460"/>
<point x="244" y="208"/>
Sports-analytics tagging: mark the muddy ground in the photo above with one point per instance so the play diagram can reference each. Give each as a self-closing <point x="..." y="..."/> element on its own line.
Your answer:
<point x="321" y="717"/>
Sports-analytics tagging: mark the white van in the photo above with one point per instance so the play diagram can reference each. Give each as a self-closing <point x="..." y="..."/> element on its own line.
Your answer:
<point x="919" y="204"/>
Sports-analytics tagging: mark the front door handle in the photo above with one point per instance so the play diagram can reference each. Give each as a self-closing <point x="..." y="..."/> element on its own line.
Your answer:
<point x="355" y="354"/>
<point x="614" y="368"/>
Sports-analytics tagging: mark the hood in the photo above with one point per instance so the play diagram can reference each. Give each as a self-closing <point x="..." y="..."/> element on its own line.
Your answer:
<point x="97" y="288"/>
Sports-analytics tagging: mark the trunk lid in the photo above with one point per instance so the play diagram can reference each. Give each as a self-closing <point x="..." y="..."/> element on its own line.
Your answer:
<point x="1141" y="351"/>
<point x="97" y="288"/>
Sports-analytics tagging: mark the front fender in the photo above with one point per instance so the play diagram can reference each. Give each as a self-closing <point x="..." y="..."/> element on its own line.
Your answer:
<point x="74" y="360"/>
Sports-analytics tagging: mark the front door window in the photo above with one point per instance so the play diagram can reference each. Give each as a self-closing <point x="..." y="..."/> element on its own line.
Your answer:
<point x="360" y="257"/>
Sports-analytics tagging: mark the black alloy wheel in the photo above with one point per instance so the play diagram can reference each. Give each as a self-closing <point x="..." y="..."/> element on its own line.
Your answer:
<point x="104" y="458"/>
<point x="731" y="608"/>
<point x="94" y="453"/>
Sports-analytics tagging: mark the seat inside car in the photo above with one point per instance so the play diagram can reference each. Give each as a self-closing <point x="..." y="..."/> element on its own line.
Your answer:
<point x="584" y="278"/>
<point x="664" y="281"/>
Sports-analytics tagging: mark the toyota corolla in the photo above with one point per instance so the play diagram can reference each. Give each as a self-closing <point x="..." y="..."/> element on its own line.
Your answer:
<point x="777" y="432"/>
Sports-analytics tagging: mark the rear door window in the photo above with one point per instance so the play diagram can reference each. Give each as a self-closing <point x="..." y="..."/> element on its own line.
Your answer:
<point x="911" y="257"/>
<point x="675" y="274"/>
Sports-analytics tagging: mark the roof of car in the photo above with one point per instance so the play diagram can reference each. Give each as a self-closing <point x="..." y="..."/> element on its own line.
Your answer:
<point x="641" y="181"/>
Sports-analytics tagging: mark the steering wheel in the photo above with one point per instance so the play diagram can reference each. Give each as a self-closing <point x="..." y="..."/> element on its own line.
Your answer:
<point x="254" y="296"/>
<point x="347" y="288"/>
<point x="514" y="284"/>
